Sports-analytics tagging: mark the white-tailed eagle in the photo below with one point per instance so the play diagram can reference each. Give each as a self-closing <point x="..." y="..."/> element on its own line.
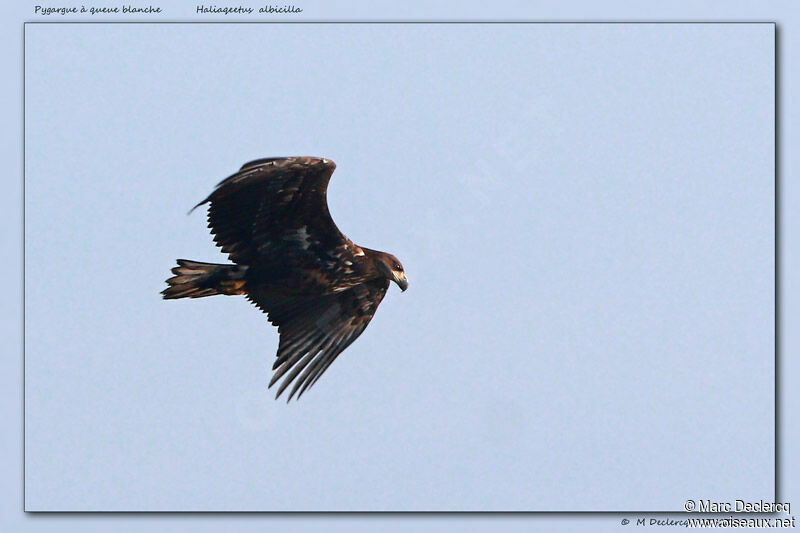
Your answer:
<point x="292" y="262"/>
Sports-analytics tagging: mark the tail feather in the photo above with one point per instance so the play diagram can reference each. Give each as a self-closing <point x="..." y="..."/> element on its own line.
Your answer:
<point x="194" y="279"/>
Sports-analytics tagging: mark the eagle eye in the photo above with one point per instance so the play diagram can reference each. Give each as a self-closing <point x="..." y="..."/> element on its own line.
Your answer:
<point x="398" y="267"/>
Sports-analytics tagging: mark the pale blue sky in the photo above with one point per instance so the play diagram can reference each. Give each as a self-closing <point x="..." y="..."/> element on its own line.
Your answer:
<point x="585" y="214"/>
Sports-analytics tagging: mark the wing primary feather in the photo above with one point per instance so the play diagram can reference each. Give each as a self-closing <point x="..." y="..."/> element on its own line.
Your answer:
<point x="324" y="366"/>
<point x="295" y="355"/>
<point x="295" y="344"/>
<point x="303" y="382"/>
<point x="334" y="354"/>
<point x="322" y="343"/>
<point x="329" y="343"/>
<point x="295" y="370"/>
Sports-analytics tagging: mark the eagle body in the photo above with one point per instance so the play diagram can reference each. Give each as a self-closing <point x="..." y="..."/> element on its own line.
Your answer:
<point x="291" y="261"/>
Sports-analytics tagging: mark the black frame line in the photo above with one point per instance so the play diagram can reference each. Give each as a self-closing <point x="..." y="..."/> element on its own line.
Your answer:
<point x="778" y="345"/>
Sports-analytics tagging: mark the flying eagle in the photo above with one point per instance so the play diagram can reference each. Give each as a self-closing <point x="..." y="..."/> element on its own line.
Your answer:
<point x="292" y="262"/>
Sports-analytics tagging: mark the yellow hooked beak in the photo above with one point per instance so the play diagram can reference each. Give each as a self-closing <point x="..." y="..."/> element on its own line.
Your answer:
<point x="400" y="279"/>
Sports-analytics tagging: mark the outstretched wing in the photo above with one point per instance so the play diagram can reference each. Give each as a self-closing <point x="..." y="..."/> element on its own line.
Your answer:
<point x="274" y="213"/>
<point x="315" y="330"/>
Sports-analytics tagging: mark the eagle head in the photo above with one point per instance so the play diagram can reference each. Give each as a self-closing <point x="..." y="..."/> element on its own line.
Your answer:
<point x="392" y="269"/>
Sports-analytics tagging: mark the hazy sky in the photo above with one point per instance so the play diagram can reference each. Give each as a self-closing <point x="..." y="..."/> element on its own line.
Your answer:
<point x="585" y="213"/>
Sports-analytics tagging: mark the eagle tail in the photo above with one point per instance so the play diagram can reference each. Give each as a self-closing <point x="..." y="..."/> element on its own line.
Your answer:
<point x="194" y="279"/>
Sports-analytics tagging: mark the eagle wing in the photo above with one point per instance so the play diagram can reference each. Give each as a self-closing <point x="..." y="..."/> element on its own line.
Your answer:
<point x="273" y="215"/>
<point x="314" y="330"/>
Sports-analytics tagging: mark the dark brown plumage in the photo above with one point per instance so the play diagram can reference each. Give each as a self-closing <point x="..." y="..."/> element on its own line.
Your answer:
<point x="292" y="262"/>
